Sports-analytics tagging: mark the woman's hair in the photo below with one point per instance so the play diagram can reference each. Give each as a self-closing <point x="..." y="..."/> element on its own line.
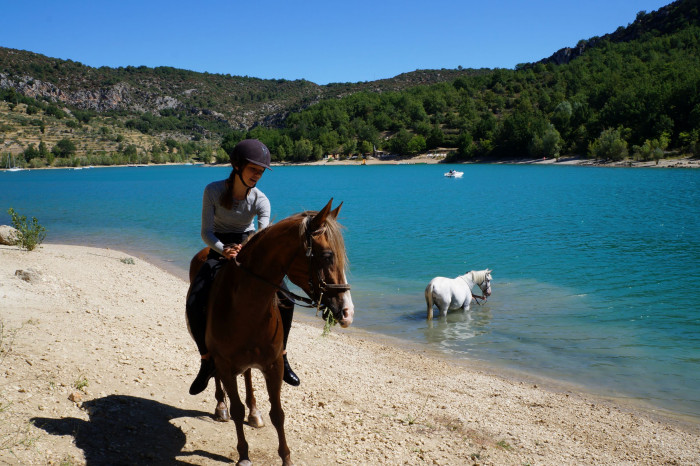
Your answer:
<point x="226" y="199"/>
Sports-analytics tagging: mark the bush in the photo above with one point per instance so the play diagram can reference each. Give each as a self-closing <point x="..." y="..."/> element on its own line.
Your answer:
<point x="30" y="235"/>
<point x="609" y="146"/>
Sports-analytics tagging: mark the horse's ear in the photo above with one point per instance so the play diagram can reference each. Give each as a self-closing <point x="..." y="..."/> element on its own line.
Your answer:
<point x="320" y="217"/>
<point x="336" y="211"/>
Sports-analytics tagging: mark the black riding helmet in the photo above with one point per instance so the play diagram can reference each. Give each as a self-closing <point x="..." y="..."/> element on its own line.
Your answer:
<point x="253" y="151"/>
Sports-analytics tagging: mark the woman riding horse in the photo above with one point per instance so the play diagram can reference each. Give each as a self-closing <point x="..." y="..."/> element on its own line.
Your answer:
<point x="229" y="208"/>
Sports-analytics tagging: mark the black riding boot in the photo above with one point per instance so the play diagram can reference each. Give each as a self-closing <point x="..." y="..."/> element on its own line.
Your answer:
<point x="289" y="376"/>
<point x="206" y="372"/>
<point x="286" y="307"/>
<point x="197" y="318"/>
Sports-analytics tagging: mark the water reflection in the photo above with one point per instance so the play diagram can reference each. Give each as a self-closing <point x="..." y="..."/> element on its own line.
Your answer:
<point x="452" y="331"/>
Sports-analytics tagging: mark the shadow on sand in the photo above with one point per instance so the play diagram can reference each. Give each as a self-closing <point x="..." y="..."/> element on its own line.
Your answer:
<point x="128" y="430"/>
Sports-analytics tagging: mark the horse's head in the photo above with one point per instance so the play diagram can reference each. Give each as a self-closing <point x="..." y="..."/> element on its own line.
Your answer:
<point x="321" y="272"/>
<point x="486" y="284"/>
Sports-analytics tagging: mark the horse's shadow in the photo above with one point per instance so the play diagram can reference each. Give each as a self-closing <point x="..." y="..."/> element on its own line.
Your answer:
<point x="127" y="430"/>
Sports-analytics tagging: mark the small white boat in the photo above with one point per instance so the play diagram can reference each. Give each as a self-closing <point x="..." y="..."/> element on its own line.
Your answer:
<point x="11" y="167"/>
<point x="454" y="174"/>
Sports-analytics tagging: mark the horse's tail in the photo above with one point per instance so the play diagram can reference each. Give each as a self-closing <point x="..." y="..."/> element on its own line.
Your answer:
<point x="429" y="299"/>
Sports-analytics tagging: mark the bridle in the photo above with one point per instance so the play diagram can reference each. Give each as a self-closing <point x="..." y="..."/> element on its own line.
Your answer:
<point x="483" y="297"/>
<point x="320" y="285"/>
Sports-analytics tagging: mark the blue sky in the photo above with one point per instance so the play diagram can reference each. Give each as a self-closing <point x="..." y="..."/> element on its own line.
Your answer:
<point x="349" y="41"/>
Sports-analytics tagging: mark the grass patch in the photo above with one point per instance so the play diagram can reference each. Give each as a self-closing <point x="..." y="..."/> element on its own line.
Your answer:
<point x="410" y="419"/>
<point x="503" y="444"/>
<point x="81" y="383"/>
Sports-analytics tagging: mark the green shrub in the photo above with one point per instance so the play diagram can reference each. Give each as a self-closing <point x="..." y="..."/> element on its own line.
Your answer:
<point x="609" y="146"/>
<point x="30" y="235"/>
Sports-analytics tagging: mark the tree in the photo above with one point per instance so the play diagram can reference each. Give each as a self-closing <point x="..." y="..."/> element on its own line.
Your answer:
<point x="547" y="145"/>
<point x="416" y="145"/>
<point x="64" y="148"/>
<point x="30" y="152"/>
<point x="303" y="150"/>
<point x="609" y="146"/>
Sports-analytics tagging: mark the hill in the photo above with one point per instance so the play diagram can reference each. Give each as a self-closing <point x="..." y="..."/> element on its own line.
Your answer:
<point x="633" y="91"/>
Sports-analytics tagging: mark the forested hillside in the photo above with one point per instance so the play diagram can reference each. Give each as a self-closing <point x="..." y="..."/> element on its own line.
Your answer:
<point x="638" y="96"/>
<point x="631" y="93"/>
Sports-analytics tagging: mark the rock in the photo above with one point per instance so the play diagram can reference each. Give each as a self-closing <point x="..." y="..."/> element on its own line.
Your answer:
<point x="29" y="275"/>
<point x="8" y="235"/>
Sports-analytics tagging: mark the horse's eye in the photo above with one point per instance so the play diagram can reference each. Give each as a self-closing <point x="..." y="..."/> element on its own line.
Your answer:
<point x="328" y="257"/>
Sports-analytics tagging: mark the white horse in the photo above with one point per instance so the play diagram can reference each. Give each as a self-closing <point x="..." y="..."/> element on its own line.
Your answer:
<point x="456" y="293"/>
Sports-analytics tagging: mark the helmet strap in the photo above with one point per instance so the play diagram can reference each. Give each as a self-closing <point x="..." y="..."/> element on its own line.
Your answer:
<point x="240" y="177"/>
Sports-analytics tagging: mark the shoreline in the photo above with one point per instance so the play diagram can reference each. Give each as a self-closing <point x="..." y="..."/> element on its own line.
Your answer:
<point x="425" y="159"/>
<point x="88" y="313"/>
<point x="558" y="384"/>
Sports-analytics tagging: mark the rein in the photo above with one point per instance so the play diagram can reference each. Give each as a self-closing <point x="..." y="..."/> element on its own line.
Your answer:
<point x="482" y="297"/>
<point x="323" y="287"/>
<point x="308" y="303"/>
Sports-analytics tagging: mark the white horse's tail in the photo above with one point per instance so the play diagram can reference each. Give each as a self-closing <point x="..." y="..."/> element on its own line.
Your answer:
<point x="429" y="299"/>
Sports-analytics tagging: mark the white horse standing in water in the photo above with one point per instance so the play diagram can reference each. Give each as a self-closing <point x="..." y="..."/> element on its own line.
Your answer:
<point x="456" y="293"/>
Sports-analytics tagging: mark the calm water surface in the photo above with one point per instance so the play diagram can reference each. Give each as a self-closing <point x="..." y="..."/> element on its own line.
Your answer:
<point x="596" y="270"/>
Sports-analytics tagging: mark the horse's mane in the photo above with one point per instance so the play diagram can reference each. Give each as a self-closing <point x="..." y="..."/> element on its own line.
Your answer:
<point x="331" y="228"/>
<point x="479" y="276"/>
<point x="333" y="231"/>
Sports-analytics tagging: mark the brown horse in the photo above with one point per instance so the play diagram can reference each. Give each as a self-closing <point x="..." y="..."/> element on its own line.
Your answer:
<point x="244" y="327"/>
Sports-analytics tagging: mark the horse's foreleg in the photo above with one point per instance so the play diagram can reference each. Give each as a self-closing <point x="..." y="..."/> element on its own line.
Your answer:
<point x="429" y="301"/>
<point x="273" y="380"/>
<point x="221" y="412"/>
<point x="467" y="302"/>
<point x="238" y="413"/>
<point x="254" y="417"/>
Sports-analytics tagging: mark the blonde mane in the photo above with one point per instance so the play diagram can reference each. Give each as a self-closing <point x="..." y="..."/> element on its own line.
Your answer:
<point x="479" y="277"/>
<point x="333" y="231"/>
<point x="331" y="228"/>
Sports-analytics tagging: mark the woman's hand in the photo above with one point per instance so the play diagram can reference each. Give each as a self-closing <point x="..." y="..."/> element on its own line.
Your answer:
<point x="231" y="251"/>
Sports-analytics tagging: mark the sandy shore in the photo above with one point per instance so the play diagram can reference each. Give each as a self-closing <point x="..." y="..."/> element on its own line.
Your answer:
<point x="96" y="362"/>
<point x="678" y="162"/>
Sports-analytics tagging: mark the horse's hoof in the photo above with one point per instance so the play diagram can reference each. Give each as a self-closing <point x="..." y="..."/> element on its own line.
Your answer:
<point x="255" y="420"/>
<point x="244" y="463"/>
<point x="222" y="415"/>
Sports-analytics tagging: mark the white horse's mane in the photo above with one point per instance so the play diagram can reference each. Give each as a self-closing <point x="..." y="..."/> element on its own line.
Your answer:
<point x="479" y="276"/>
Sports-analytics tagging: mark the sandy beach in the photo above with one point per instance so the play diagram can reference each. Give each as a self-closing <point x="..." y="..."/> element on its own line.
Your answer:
<point x="676" y="162"/>
<point x="96" y="361"/>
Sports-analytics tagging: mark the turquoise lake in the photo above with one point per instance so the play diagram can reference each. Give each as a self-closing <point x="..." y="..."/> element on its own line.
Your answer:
<point x="596" y="270"/>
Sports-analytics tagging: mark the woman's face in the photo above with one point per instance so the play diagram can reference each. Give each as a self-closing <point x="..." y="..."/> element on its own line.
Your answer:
<point x="252" y="173"/>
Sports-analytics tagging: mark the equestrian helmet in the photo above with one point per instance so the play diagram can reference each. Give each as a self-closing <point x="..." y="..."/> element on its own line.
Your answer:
<point x="252" y="151"/>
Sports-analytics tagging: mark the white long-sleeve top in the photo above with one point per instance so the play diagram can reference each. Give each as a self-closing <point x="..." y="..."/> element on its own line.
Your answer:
<point x="239" y="219"/>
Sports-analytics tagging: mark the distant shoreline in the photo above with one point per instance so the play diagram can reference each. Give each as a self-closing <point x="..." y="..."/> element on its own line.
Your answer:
<point x="423" y="159"/>
<point x="678" y="162"/>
